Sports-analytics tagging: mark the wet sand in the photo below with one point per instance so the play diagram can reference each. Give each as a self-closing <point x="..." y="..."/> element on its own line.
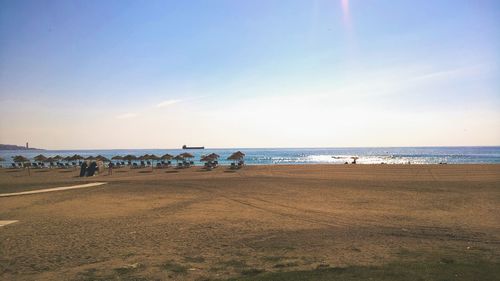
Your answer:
<point x="191" y="224"/>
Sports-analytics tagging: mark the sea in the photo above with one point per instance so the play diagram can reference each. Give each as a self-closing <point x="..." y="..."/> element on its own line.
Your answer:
<point x="280" y="156"/>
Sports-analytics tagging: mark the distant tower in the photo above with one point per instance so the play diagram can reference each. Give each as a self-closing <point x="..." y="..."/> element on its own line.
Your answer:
<point x="27" y="146"/>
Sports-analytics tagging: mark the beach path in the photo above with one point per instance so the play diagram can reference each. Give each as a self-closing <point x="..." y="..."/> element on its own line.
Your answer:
<point x="52" y="189"/>
<point x="3" y="223"/>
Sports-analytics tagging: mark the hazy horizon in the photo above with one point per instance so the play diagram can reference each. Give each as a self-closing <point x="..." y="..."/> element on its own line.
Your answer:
<point x="273" y="74"/>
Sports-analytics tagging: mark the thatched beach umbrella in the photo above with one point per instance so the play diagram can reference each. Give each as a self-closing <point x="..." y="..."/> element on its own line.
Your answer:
<point x="23" y="160"/>
<point x="235" y="157"/>
<point x="207" y="158"/>
<point x="117" y="157"/>
<point x="91" y="158"/>
<point x="238" y="155"/>
<point x="178" y="158"/>
<point x="102" y="158"/>
<point x="40" y="158"/>
<point x="214" y="155"/>
<point x="20" y="159"/>
<point x="186" y="155"/>
<point x="167" y="157"/>
<point x="76" y="157"/>
<point x="57" y="158"/>
<point x="129" y="157"/>
<point x="153" y="158"/>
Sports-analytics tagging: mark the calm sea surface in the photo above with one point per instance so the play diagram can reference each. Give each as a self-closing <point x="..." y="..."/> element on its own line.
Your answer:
<point x="265" y="156"/>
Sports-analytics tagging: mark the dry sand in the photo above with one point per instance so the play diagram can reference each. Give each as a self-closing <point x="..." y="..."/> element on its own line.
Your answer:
<point x="194" y="225"/>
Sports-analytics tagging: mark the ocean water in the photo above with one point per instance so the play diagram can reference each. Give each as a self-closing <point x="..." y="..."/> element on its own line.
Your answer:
<point x="266" y="156"/>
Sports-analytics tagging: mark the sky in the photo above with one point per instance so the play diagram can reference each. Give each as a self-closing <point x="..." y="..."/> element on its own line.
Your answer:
<point x="265" y="73"/>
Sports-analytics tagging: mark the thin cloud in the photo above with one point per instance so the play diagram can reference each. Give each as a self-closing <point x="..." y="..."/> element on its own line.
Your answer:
<point x="126" y="116"/>
<point x="167" y="103"/>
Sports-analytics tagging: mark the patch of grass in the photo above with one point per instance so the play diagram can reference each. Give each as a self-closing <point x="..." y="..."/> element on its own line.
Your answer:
<point x="235" y="263"/>
<point x="273" y="258"/>
<point x="251" y="271"/>
<point x="194" y="259"/>
<point x="174" y="267"/>
<point x="287" y="264"/>
<point x="127" y="269"/>
<point x="422" y="270"/>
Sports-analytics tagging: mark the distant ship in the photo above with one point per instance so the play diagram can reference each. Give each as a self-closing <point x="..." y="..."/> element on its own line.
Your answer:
<point x="192" y="147"/>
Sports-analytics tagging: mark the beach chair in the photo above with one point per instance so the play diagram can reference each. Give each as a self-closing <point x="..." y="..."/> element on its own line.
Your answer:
<point x="14" y="166"/>
<point x="35" y="165"/>
<point x="143" y="164"/>
<point x="134" y="165"/>
<point x="233" y="166"/>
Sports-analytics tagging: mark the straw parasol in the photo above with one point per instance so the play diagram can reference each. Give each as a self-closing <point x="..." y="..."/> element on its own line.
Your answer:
<point x="76" y="157"/>
<point x="178" y="158"/>
<point x="236" y="156"/>
<point x="40" y="158"/>
<point x="154" y="157"/>
<point x="207" y="158"/>
<point x="57" y="158"/>
<point x="186" y="155"/>
<point x="102" y="158"/>
<point x="90" y="158"/>
<point x="214" y="155"/>
<point x="129" y="157"/>
<point x="167" y="157"/>
<point x="239" y="153"/>
<point x="20" y="159"/>
<point x="143" y="157"/>
<point x="117" y="157"/>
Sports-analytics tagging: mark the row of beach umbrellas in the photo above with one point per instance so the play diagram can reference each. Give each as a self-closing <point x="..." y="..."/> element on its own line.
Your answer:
<point x="181" y="157"/>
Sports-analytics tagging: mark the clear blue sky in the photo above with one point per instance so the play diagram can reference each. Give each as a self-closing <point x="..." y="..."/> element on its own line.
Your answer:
<point x="143" y="74"/>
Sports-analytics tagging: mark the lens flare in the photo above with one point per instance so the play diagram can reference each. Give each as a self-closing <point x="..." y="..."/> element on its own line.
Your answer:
<point x="345" y="11"/>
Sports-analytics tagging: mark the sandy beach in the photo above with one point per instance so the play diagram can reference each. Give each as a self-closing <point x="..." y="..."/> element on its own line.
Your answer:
<point x="317" y="222"/>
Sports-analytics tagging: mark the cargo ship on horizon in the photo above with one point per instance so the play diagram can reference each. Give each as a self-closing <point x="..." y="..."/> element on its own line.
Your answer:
<point x="192" y="147"/>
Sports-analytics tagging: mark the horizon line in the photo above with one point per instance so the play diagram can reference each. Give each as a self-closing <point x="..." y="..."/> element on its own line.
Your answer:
<point x="283" y="147"/>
